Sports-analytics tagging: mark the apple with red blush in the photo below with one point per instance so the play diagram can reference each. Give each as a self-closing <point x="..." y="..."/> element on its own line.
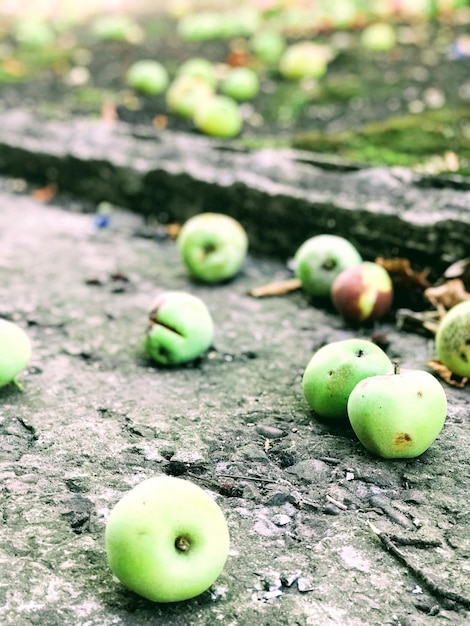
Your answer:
<point x="363" y="292"/>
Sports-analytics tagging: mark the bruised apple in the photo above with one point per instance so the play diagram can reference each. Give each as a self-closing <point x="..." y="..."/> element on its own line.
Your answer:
<point x="363" y="292"/>
<point x="398" y="415"/>
<point x="180" y="328"/>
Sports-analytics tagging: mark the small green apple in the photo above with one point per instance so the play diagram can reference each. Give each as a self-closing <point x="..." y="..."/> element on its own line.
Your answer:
<point x="320" y="259"/>
<point x="453" y="339"/>
<point x="380" y="36"/>
<point x="198" y="66"/>
<point x="304" y="59"/>
<point x="363" y="292"/>
<point x="218" y="116"/>
<point x="186" y="93"/>
<point x="180" y="328"/>
<point x="119" y="27"/>
<point x="240" y="83"/>
<point x="213" y="246"/>
<point x="336" y="368"/>
<point x="167" y="539"/>
<point x="35" y="33"/>
<point x="148" y="76"/>
<point x="268" y="46"/>
<point x="240" y="21"/>
<point x="200" y="26"/>
<point x="15" y="351"/>
<point x="398" y="415"/>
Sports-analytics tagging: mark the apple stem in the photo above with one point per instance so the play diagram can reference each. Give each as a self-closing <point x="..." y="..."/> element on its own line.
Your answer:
<point x="396" y="368"/>
<point x="182" y="544"/>
<point x="17" y="384"/>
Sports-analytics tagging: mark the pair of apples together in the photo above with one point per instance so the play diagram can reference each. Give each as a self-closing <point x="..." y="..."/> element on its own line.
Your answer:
<point x="394" y="415"/>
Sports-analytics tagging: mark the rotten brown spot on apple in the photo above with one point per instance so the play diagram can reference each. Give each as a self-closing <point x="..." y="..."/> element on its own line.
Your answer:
<point x="402" y="440"/>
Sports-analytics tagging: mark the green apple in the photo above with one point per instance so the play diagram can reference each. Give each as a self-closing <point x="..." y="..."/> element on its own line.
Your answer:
<point x="35" y="33"/>
<point x="119" y="27"/>
<point x="453" y="339"/>
<point x="15" y="351"/>
<point x="213" y="246"/>
<point x="363" y="292"/>
<point x="336" y="368"/>
<point x="320" y="259"/>
<point x="186" y="92"/>
<point x="180" y="328"/>
<point x="304" y="59"/>
<point x="218" y="116"/>
<point x="200" y="26"/>
<point x="268" y="46"/>
<point x="240" y="21"/>
<point x="167" y="539"/>
<point x="380" y="36"/>
<point x="398" y="415"/>
<point x="240" y="83"/>
<point x="147" y="76"/>
<point x="198" y="66"/>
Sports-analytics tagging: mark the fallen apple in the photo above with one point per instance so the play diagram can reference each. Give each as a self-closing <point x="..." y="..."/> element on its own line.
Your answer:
<point x="15" y="351"/>
<point x="218" y="116"/>
<point x="380" y="36"/>
<point x="240" y="83"/>
<point x="363" y="292"/>
<point x="268" y="46"/>
<point x="117" y="27"/>
<point x="147" y="76"/>
<point x="320" y="259"/>
<point x="453" y="339"/>
<point x="198" y="66"/>
<point x="180" y="328"/>
<point x="336" y="368"/>
<point x="167" y="539"/>
<point x="186" y="92"/>
<point x="213" y="246"/>
<point x="398" y="415"/>
<point x="304" y="59"/>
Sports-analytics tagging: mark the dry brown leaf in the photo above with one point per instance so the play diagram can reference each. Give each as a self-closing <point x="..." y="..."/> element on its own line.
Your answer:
<point x="238" y="57"/>
<point x="173" y="230"/>
<point x="402" y="274"/>
<point x="448" y="294"/>
<point x="276" y="288"/>
<point x="446" y="374"/>
<point x="417" y="321"/>
<point x="459" y="269"/>
<point x="160" y="122"/>
<point x="45" y="194"/>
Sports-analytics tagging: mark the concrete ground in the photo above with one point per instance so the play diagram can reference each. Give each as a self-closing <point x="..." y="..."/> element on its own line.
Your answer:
<point x="95" y="417"/>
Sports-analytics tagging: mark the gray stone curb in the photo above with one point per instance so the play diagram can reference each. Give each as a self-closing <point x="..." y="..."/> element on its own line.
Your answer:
<point x="280" y="196"/>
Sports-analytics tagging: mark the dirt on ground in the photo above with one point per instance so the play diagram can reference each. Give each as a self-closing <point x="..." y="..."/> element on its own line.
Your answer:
<point x="322" y="532"/>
